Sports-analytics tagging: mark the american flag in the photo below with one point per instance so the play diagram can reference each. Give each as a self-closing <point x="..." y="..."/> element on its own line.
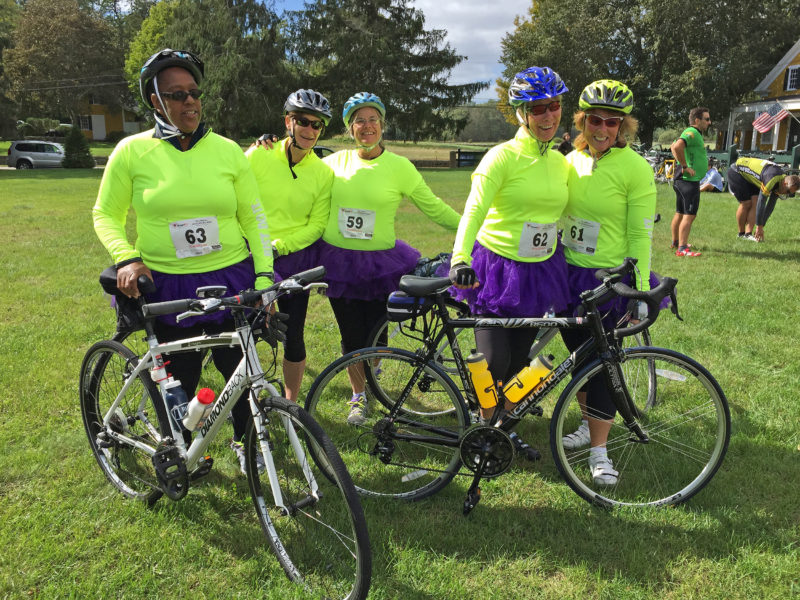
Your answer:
<point x="767" y="119"/>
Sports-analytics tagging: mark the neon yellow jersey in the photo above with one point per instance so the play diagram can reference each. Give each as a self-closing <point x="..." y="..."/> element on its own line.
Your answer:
<point x="610" y="211"/>
<point x="191" y="207"/>
<point x="517" y="196"/>
<point x="297" y="209"/>
<point x="366" y="194"/>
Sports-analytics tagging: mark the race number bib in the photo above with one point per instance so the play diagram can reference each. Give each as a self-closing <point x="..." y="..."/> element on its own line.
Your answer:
<point x="356" y="223"/>
<point x="581" y="235"/>
<point x="195" y="237"/>
<point x="537" y="240"/>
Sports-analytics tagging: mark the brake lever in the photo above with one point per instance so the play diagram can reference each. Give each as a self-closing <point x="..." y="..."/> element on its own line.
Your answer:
<point x="673" y="306"/>
<point x="187" y="314"/>
<point x="207" y="305"/>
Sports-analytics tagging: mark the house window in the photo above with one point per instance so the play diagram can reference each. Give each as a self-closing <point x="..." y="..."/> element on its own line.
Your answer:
<point x="793" y="78"/>
<point x="85" y="122"/>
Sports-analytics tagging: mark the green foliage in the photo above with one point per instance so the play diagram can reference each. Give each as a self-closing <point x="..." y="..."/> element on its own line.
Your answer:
<point x="148" y="41"/>
<point x="485" y="123"/>
<point x="672" y="55"/>
<point x="341" y="47"/>
<point x="37" y="126"/>
<point x="76" y="151"/>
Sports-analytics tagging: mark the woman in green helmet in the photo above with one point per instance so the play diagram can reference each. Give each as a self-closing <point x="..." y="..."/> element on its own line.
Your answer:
<point x="609" y="216"/>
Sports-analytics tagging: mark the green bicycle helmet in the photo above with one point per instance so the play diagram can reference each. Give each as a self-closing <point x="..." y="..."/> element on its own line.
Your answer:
<point x="607" y="93"/>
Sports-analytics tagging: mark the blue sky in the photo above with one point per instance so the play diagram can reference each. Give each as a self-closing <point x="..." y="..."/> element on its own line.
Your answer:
<point x="474" y="29"/>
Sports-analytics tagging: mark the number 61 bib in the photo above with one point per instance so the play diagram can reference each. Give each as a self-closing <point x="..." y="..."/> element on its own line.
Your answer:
<point x="356" y="223"/>
<point x="580" y="235"/>
<point x="195" y="237"/>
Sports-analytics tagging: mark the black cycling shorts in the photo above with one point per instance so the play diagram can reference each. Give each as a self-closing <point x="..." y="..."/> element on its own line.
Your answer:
<point x="687" y="196"/>
<point x="741" y="189"/>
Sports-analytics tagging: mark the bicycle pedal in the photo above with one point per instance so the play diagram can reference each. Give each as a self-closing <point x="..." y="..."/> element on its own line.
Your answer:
<point x="471" y="501"/>
<point x="537" y="411"/>
<point x="203" y="470"/>
<point x="171" y="472"/>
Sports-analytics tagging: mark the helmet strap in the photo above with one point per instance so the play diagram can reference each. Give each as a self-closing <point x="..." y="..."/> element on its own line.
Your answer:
<point x="522" y="117"/>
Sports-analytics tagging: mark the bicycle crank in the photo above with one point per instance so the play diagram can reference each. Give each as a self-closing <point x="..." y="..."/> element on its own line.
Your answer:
<point x="488" y="449"/>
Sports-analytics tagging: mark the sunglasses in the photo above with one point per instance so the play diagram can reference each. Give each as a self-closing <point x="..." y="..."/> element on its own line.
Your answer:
<point x="540" y="109"/>
<point x="610" y="122"/>
<point x="181" y="96"/>
<point x="303" y="122"/>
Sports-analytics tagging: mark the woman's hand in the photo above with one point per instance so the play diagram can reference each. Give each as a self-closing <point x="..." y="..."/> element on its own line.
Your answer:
<point x="759" y="233"/>
<point x="266" y="140"/>
<point x="127" y="276"/>
<point x="463" y="277"/>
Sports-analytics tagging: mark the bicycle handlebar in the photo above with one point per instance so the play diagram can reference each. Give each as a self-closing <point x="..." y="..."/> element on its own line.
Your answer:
<point x="297" y="282"/>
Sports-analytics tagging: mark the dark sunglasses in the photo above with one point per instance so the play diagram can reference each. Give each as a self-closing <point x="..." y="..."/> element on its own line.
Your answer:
<point x="540" y="109"/>
<point x="611" y="122"/>
<point x="303" y="122"/>
<point x="181" y="96"/>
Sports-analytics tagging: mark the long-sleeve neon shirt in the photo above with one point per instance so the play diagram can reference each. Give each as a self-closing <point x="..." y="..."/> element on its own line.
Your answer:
<point x="191" y="207"/>
<point x="515" y="189"/>
<point x="366" y="194"/>
<point x="610" y="211"/>
<point x="297" y="209"/>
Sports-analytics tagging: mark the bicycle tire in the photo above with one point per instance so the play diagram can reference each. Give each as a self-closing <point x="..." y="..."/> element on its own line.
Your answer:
<point x="688" y="426"/>
<point x="324" y="544"/>
<point x="105" y="368"/>
<point x="380" y="463"/>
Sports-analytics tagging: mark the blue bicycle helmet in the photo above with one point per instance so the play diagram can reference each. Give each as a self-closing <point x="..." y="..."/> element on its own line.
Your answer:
<point x="360" y="100"/>
<point x="535" y="83"/>
<point x="162" y="60"/>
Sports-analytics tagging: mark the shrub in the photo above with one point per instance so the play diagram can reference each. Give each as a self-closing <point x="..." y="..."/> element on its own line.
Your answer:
<point x="76" y="151"/>
<point x="115" y="136"/>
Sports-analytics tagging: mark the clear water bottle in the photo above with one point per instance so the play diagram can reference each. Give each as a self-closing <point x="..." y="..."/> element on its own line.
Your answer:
<point x="176" y="400"/>
<point x="199" y="409"/>
<point x="482" y="379"/>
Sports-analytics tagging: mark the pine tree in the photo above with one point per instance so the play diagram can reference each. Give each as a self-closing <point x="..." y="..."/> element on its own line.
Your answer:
<point x="76" y="151"/>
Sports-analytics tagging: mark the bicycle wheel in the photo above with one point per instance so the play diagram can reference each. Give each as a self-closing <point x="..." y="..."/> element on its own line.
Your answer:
<point x="641" y="371"/>
<point x="688" y="427"/>
<point x="411" y="457"/>
<point x="320" y="538"/>
<point x="140" y="416"/>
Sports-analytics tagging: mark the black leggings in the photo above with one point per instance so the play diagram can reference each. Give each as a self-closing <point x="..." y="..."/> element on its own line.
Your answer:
<point x="506" y="350"/>
<point x="187" y="366"/>
<point x="296" y="306"/>
<point x="598" y="396"/>
<point x="356" y="320"/>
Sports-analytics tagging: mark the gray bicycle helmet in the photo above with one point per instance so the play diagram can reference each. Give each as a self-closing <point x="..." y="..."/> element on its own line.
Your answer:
<point x="162" y="60"/>
<point x="309" y="101"/>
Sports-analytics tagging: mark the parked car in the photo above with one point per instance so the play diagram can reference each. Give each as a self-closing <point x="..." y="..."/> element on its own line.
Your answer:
<point x="323" y="151"/>
<point x="34" y="154"/>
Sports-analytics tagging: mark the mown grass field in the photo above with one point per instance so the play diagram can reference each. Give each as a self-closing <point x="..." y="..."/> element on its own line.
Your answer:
<point x="65" y="533"/>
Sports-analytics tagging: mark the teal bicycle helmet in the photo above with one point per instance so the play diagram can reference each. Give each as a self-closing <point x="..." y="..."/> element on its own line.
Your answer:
<point x="360" y="100"/>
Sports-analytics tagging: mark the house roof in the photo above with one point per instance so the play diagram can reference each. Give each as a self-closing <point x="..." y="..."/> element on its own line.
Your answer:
<point x="778" y="69"/>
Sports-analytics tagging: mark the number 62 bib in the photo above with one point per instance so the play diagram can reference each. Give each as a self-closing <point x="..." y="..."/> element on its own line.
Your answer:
<point x="537" y="240"/>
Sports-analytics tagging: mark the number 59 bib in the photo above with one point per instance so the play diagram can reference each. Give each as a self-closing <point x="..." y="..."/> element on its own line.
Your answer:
<point x="356" y="223"/>
<point x="195" y="237"/>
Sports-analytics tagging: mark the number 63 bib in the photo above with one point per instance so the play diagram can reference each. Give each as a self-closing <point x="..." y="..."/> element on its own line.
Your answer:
<point x="195" y="237"/>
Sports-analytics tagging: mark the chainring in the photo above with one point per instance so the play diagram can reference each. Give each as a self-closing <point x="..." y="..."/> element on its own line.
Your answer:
<point x="487" y="449"/>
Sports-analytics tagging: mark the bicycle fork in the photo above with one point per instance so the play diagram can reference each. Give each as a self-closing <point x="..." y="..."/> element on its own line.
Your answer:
<point x="615" y="381"/>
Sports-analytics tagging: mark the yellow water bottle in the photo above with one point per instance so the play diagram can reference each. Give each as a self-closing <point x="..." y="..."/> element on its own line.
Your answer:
<point x="482" y="379"/>
<point x="528" y="379"/>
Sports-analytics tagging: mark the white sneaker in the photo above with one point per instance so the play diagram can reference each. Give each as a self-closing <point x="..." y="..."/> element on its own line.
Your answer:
<point x="358" y="409"/>
<point x="577" y="439"/>
<point x="603" y="472"/>
<point x="238" y="449"/>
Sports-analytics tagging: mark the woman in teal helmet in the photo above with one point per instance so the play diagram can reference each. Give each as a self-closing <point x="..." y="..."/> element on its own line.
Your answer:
<point x="363" y="258"/>
<point x="609" y="216"/>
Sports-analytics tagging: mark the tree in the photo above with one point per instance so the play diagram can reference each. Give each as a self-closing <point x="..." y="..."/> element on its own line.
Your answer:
<point x="241" y="46"/>
<point x="485" y="123"/>
<point x="672" y="55"/>
<point x="9" y="14"/>
<point x="76" y="151"/>
<point x="62" y="53"/>
<point x="341" y="47"/>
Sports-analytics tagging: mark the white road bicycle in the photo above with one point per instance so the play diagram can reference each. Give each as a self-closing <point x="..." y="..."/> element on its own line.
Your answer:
<point x="306" y="504"/>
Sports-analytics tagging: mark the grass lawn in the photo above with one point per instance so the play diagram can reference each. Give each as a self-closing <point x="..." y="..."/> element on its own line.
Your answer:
<point x="64" y="531"/>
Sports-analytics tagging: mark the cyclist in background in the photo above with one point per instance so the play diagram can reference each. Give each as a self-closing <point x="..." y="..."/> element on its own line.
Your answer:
<point x="757" y="184"/>
<point x="298" y="185"/>
<point x="193" y="194"/>
<point x="507" y="260"/>
<point x="690" y="153"/>
<point x="609" y="216"/>
<point x="363" y="258"/>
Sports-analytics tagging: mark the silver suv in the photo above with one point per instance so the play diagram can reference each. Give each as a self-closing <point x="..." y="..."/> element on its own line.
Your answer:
<point x="33" y="154"/>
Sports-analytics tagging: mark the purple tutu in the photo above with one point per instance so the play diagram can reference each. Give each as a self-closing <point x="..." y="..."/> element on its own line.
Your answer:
<point x="365" y="274"/>
<point x="582" y="279"/>
<point x="510" y="288"/>
<point x="297" y="262"/>
<point x="236" y="277"/>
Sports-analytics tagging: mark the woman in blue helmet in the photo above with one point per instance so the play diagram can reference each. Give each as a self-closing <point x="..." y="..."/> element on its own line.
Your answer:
<point x="359" y="249"/>
<point x="507" y="259"/>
